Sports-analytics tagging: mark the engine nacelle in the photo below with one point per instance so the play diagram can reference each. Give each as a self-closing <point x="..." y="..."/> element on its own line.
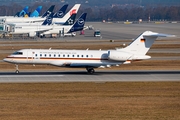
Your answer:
<point x="32" y="34"/>
<point x="118" y="55"/>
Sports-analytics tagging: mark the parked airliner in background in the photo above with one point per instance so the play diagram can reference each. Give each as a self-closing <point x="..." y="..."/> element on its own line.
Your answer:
<point x="58" y="20"/>
<point x="88" y="59"/>
<point x="67" y="27"/>
<point x="31" y="30"/>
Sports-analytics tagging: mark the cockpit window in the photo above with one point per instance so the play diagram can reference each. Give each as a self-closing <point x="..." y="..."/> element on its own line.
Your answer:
<point x="18" y="53"/>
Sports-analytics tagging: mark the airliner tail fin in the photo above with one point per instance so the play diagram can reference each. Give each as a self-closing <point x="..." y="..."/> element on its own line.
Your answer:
<point x="36" y="12"/>
<point x="79" y="24"/>
<point x="48" y="20"/>
<point x="61" y="12"/>
<point x="49" y="11"/>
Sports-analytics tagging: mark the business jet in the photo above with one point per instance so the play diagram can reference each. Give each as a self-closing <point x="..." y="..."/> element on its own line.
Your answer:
<point x="56" y="20"/>
<point x="88" y="59"/>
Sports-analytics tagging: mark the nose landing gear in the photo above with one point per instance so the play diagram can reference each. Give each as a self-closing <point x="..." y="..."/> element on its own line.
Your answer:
<point x="17" y="69"/>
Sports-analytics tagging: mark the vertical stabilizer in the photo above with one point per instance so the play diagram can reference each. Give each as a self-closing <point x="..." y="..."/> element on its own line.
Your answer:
<point x="36" y="12"/>
<point x="61" y="12"/>
<point x="73" y="10"/>
<point x="79" y="24"/>
<point x="49" y="11"/>
<point x="71" y="20"/>
<point x="23" y="12"/>
<point x="48" y="19"/>
<point x="143" y="42"/>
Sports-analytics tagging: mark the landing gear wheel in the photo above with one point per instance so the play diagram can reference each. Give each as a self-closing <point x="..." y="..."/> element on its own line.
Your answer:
<point x="90" y="70"/>
<point x="17" y="71"/>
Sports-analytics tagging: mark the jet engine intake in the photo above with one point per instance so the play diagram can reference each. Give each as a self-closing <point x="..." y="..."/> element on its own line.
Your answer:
<point x="118" y="55"/>
<point x="32" y="34"/>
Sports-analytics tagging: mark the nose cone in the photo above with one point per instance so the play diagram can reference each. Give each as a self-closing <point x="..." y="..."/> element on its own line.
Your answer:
<point x="7" y="60"/>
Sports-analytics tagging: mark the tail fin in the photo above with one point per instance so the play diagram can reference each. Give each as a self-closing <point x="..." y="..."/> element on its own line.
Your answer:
<point x="23" y="12"/>
<point x="79" y="24"/>
<point x="17" y="14"/>
<point x="143" y="42"/>
<point x="36" y="12"/>
<point x="73" y="10"/>
<point x="61" y="12"/>
<point x="71" y="20"/>
<point x="49" y="11"/>
<point x="48" y="19"/>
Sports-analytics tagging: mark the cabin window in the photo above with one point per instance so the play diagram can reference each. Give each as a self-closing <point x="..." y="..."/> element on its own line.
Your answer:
<point x="77" y="55"/>
<point x="54" y="55"/>
<point x="45" y="55"/>
<point x="49" y="55"/>
<point x="40" y="55"/>
<point x="87" y="56"/>
<point x="59" y="55"/>
<point x="81" y="55"/>
<point x="67" y="55"/>
<point x="36" y="55"/>
<point x="63" y="55"/>
<point x="72" y="55"/>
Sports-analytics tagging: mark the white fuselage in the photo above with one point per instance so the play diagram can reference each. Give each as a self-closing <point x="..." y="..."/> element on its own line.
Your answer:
<point x="67" y="58"/>
<point x="21" y="19"/>
<point x="14" y="20"/>
<point x="29" y="29"/>
<point x="57" y="28"/>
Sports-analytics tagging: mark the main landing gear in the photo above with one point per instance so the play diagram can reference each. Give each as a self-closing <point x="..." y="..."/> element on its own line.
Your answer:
<point x="17" y="69"/>
<point x="90" y="70"/>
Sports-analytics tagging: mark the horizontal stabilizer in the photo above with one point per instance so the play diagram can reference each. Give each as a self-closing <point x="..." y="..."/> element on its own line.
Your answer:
<point x="143" y="42"/>
<point x="154" y="34"/>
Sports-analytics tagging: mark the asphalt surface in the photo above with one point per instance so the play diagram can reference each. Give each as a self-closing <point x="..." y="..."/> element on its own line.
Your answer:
<point x="82" y="76"/>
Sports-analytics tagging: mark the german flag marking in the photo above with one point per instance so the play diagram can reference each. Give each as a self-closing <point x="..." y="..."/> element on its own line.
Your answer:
<point x="143" y="40"/>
